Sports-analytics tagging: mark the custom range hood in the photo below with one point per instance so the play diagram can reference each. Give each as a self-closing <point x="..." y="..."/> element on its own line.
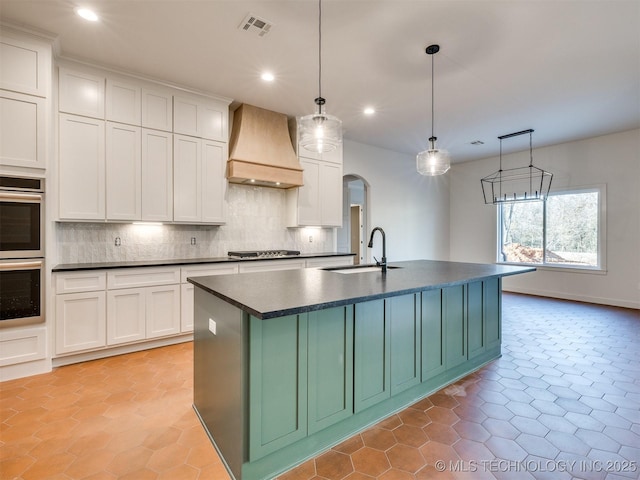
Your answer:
<point x="260" y="151"/>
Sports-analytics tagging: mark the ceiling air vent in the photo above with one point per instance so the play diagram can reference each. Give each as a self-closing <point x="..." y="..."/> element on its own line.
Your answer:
<point x="254" y="24"/>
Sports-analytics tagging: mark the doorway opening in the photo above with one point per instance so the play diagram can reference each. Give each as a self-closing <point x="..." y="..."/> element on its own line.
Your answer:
<point x="355" y="215"/>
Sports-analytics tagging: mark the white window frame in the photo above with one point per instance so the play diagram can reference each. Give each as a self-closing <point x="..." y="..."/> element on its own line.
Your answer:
<point x="601" y="268"/>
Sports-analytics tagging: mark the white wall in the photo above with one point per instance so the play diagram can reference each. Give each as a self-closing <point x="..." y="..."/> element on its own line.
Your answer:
<point x="613" y="160"/>
<point x="413" y="210"/>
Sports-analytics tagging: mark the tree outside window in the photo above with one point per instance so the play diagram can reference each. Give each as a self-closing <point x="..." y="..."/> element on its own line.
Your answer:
<point x="564" y="230"/>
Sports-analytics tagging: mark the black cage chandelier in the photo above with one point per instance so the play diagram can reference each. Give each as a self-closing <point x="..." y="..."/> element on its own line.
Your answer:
<point x="521" y="184"/>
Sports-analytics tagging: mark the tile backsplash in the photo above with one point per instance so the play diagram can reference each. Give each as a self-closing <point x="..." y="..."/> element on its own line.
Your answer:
<point x="255" y="221"/>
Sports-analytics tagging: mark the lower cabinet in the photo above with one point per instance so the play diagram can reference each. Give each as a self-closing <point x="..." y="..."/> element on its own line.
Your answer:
<point x="455" y="325"/>
<point x="80" y="321"/>
<point x="140" y="313"/>
<point x="432" y="334"/>
<point x="330" y="367"/>
<point x="278" y="383"/>
<point x="372" y="366"/>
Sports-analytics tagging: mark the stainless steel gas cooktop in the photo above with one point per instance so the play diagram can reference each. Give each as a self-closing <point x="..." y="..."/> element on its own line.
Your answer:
<point x="263" y="253"/>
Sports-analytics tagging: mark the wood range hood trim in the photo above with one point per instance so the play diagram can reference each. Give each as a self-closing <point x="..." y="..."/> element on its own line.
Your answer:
<point x="261" y="152"/>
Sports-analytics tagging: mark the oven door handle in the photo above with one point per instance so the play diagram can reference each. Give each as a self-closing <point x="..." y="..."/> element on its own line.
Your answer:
<point x="21" y="265"/>
<point x="21" y="197"/>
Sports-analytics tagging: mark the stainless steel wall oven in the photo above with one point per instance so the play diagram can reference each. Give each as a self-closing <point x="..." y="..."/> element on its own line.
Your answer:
<point x="21" y="251"/>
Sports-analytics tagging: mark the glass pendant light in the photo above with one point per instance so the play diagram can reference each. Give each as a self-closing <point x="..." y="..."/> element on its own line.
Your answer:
<point x="319" y="132"/>
<point x="433" y="161"/>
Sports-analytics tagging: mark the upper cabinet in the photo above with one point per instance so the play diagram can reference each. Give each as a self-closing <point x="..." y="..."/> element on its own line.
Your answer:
<point x="143" y="169"/>
<point x="319" y="201"/>
<point x="25" y="87"/>
<point x="25" y="64"/>
<point x="81" y="93"/>
<point x="123" y="102"/>
<point x="202" y="118"/>
<point x="157" y="109"/>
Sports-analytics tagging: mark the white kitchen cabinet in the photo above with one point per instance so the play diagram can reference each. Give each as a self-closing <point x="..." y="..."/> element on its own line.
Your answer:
<point x="200" y="117"/>
<point x="123" y="102"/>
<point x="163" y="311"/>
<point x="214" y="183"/>
<point x="81" y="93"/>
<point x="198" y="180"/>
<point x="157" y="176"/>
<point x="157" y="109"/>
<point x="123" y="172"/>
<point x="334" y="156"/>
<point x="271" y="265"/>
<point x="126" y="315"/>
<point x="187" y="183"/>
<point x="323" y="262"/>
<point x="319" y="201"/>
<point x="81" y="168"/>
<point x="136" y="314"/>
<point x="22" y="130"/>
<point x="25" y="64"/>
<point x="80" y="322"/>
<point x="186" y="295"/>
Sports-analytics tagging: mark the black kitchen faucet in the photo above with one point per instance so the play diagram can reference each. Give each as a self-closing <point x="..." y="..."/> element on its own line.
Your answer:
<point x="383" y="262"/>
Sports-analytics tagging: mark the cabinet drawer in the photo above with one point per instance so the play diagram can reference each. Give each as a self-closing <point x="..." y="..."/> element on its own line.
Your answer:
<point x="142" y="277"/>
<point x="271" y="265"/>
<point x="329" y="262"/>
<point x="74" y="282"/>
<point x="207" y="269"/>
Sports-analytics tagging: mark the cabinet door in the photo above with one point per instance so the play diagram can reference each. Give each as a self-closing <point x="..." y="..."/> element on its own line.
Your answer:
<point x="157" y="109"/>
<point x="330" y="367"/>
<point x="309" y="194"/>
<point x="81" y="168"/>
<point x="80" y="321"/>
<point x="125" y="315"/>
<point x="157" y="176"/>
<point x="187" y="172"/>
<point x="213" y="119"/>
<point x="334" y="156"/>
<point x="371" y="355"/>
<point x="278" y="383"/>
<point x="163" y="311"/>
<point x="492" y="290"/>
<point x="123" y="102"/>
<point x="330" y="195"/>
<point x="22" y="130"/>
<point x="200" y="117"/>
<point x="81" y="93"/>
<point x="123" y="172"/>
<point x="475" y="319"/>
<point x="26" y="65"/>
<point x="433" y="361"/>
<point x="453" y="313"/>
<point x="185" y="116"/>
<point x="186" y="307"/>
<point x="214" y="160"/>
<point x="404" y="342"/>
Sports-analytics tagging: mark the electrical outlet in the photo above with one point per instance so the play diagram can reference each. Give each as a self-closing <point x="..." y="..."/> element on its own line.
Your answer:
<point x="310" y="238"/>
<point x="193" y="240"/>
<point x="212" y="326"/>
<point x="118" y="242"/>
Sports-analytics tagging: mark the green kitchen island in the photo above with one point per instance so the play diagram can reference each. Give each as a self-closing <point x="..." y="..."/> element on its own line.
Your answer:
<point x="289" y="363"/>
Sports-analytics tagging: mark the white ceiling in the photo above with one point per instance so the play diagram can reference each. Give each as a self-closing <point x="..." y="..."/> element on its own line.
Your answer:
<point x="568" y="69"/>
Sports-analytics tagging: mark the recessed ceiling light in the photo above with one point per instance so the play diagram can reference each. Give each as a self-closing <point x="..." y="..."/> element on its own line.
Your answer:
<point x="267" y="77"/>
<point x="87" y="14"/>
<point x="369" y="111"/>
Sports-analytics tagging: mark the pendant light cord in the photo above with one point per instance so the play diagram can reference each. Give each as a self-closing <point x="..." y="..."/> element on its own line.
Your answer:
<point x="432" y="106"/>
<point x="320" y="55"/>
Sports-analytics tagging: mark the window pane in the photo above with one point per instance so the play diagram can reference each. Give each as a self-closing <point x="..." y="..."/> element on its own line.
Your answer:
<point x="521" y="232"/>
<point x="572" y="229"/>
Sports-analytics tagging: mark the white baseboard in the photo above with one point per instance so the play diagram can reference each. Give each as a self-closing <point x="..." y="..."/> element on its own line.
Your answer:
<point x="110" y="352"/>
<point x="578" y="298"/>
<point x="26" y="369"/>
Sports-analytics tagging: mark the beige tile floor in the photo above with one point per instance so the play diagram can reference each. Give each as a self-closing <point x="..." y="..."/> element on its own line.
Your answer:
<point x="563" y="402"/>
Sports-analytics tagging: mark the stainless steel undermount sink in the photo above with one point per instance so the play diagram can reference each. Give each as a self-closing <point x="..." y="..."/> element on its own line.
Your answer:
<point x="358" y="269"/>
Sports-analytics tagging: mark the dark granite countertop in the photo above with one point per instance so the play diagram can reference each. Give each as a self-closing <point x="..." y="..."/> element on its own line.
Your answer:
<point x="70" y="267"/>
<point x="275" y="294"/>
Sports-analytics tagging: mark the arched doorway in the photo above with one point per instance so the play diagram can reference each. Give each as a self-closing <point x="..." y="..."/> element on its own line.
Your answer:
<point x="355" y="215"/>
